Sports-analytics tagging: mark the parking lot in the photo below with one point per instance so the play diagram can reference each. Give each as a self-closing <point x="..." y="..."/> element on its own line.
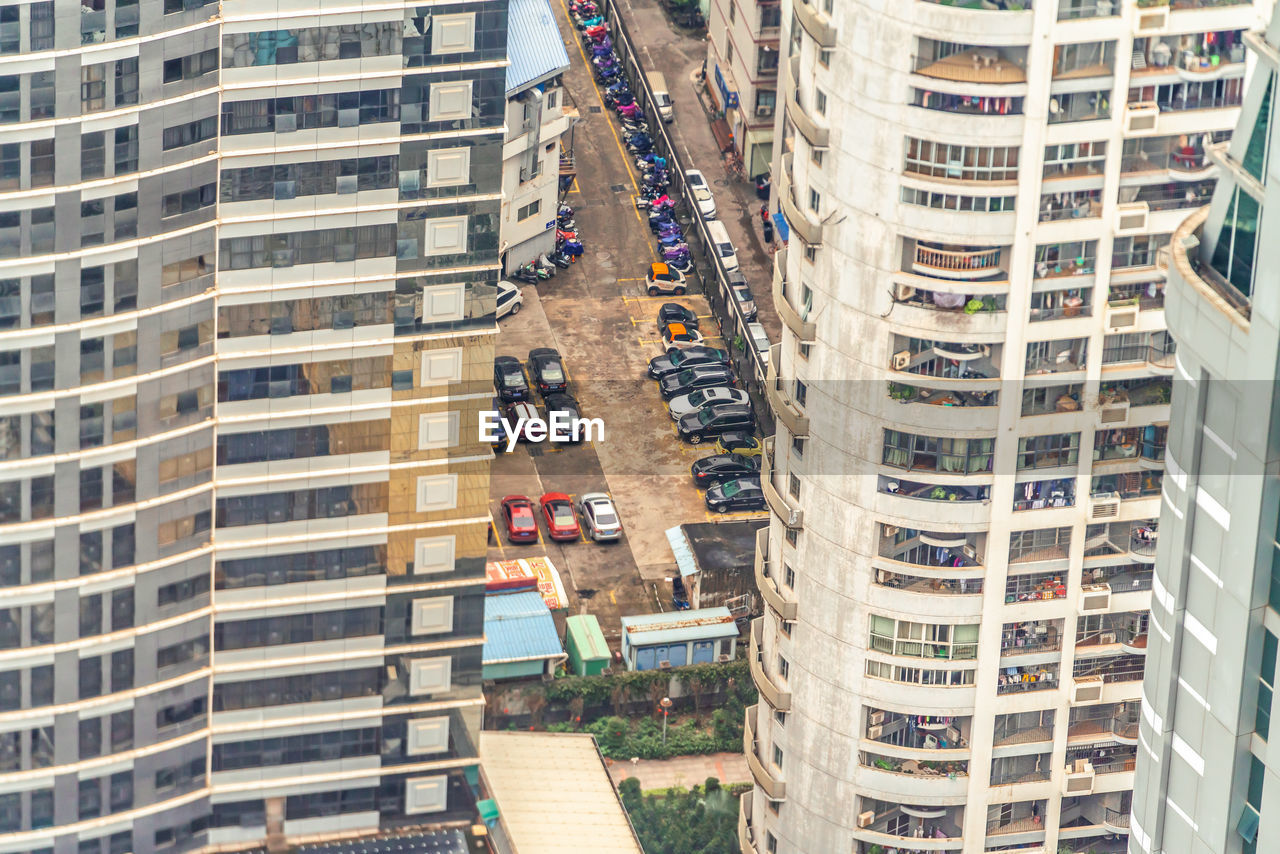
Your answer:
<point x="596" y="313"/>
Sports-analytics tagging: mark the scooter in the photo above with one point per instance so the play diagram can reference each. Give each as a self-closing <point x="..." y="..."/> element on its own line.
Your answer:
<point x="562" y="234"/>
<point x="573" y="249"/>
<point x="544" y="263"/>
<point x="524" y="275"/>
<point x="671" y="240"/>
<point x="558" y="258"/>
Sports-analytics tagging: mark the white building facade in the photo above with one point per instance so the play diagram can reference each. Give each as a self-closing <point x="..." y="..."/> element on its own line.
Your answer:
<point x="742" y="74"/>
<point x="972" y="394"/>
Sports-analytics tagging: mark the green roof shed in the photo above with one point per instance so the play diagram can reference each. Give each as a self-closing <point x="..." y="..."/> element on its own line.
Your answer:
<point x="588" y="651"/>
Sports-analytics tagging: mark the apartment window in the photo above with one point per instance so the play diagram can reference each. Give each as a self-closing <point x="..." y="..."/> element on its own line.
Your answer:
<point x="815" y="200"/>
<point x="962" y="162"/>
<point x="817" y="155"/>
<point x="797" y="446"/>
<point x="1247" y="825"/>
<point x="801" y="393"/>
<point x="189" y="134"/>
<point x="824" y="57"/>
<point x="923" y="640"/>
<point x="777" y="756"/>
<point x="188" y="201"/>
<point x="190" y="67"/>
<point x="1052" y="451"/>
<point x="788" y="576"/>
<point x="820" y="101"/>
<point x="728" y="52"/>
<point x="784" y="667"/>
<point x="529" y="210"/>
<point x="919" y="675"/>
<point x="1266" y="685"/>
<point x="939" y="454"/>
<point x="811" y="254"/>
<point x="1039" y="544"/>
<point x="953" y="202"/>
<point x="126" y="73"/>
<point x="793" y="486"/>
<point x="93" y="87"/>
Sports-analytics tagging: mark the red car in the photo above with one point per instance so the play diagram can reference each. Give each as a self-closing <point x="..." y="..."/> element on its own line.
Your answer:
<point x="562" y="522"/>
<point x="522" y="525"/>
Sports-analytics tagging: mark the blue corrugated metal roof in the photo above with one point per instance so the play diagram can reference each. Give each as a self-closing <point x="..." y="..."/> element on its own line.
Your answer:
<point x="702" y="624"/>
<point x="682" y="550"/>
<point x="534" y="46"/>
<point x="518" y="627"/>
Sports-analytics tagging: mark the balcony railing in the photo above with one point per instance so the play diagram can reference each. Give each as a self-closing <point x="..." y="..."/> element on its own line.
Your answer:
<point x="806" y="227"/>
<point x="815" y="22"/>
<point x="894" y="765"/>
<point x="1072" y="10"/>
<point x="932" y="492"/>
<point x="1105" y="760"/>
<point x="1119" y="668"/>
<point x="784" y="508"/>
<point x="1115" y="818"/>
<point x="1036" y="677"/>
<point x="930" y="550"/>
<point x="931" y="586"/>
<point x="966" y="104"/>
<point x="1042" y="494"/>
<point x="957" y="263"/>
<point x="797" y="321"/>
<point x="774" y="788"/>
<point x="1030" y="642"/>
<point x="766" y="583"/>
<point x="777" y="698"/>
<point x="1043" y="587"/>
<point x="988" y="65"/>
<point x="990" y="5"/>
<point x="1123" y="725"/>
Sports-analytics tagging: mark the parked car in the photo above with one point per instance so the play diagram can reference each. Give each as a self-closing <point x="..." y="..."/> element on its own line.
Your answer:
<point x="743" y="296"/>
<point x="723" y="245"/>
<point x="670" y="363"/>
<point x="697" y="427"/>
<point x="510" y="298"/>
<point x="547" y="370"/>
<point x="664" y="279"/>
<point x="743" y="494"/>
<point x="518" y="410"/>
<point x="600" y="516"/>
<point x="674" y="312"/>
<point x="561" y="402"/>
<point x="557" y="511"/>
<point x="739" y="442"/>
<point x="509" y="379"/>
<point x="692" y="402"/>
<point x="692" y="379"/>
<point x="759" y="339"/>
<point x="499" y="432"/>
<point x="721" y="467"/>
<point x="701" y="193"/>
<point x="677" y="336"/>
<point x="517" y="515"/>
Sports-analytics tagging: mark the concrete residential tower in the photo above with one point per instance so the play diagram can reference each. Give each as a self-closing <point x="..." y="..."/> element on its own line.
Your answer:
<point x="1209" y="782"/>
<point x="972" y="396"/>
<point x="247" y="267"/>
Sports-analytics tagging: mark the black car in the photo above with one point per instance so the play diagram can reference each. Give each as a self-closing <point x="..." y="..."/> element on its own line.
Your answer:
<point x="721" y="467"/>
<point x="674" y="312"/>
<point x="561" y="402"/>
<point x="689" y="357"/>
<point x="500" y="432"/>
<point x="692" y="379"/>
<point x="509" y="380"/>
<point x="547" y="370"/>
<point x="744" y="494"/>
<point x="714" y="420"/>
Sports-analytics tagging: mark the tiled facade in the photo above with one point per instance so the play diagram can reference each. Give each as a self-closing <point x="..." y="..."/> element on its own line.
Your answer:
<point x="972" y="396"/>
<point x="247" y="271"/>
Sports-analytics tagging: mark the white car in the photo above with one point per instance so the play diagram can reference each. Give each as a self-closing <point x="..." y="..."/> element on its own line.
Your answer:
<point x="760" y="339"/>
<point x="701" y="192"/>
<point x="704" y="397"/>
<point x="678" y="336"/>
<point x="600" y="516"/>
<point x="510" y="298"/>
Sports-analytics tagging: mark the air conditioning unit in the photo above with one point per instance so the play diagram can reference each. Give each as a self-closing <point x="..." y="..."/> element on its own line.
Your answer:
<point x="724" y="658"/>
<point x="903" y="292"/>
<point x="1141" y="119"/>
<point x="970" y="551"/>
<point x="1086" y="690"/>
<point x="901" y="359"/>
<point x="874" y="732"/>
<point x="1079" y="779"/>
<point x="875" y="718"/>
<point x="1151" y="20"/>
<point x="1107" y="637"/>
<point x="953" y="734"/>
<point x="1131" y="218"/>
<point x="1095" y="597"/>
<point x="764" y="111"/>
<point x="1104" y="505"/>
<point x="865" y="818"/>
<point x="891" y="530"/>
<point x="1114" y="412"/>
<point x="664" y="665"/>
<point x="1122" y="316"/>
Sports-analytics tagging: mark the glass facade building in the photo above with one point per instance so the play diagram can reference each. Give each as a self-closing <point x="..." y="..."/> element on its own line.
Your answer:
<point x="248" y="264"/>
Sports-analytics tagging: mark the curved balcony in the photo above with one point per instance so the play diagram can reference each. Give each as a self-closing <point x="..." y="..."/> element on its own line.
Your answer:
<point x="815" y="134"/>
<point x="802" y="328"/>
<point x="918" y="782"/>
<point x="779" y="401"/>
<point x="912" y="505"/>
<point x="1134" y="643"/>
<point x="774" y="788"/>
<point x="746" y="835"/>
<point x="808" y="229"/>
<point x="959" y="264"/>
<point x="945" y="312"/>
<point x="784" y="508"/>
<point x="776" y="697"/>
<point x="986" y="23"/>
<point x="1190" y="167"/>
<point x="1143" y="543"/>
<point x="816" y="23"/>
<point x="765" y="582"/>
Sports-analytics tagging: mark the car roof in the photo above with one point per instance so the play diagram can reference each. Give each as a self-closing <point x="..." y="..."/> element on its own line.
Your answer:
<point x="657" y="268"/>
<point x="503" y="284"/>
<point x="520" y="405"/>
<point x="597" y="496"/>
<point x="694" y="173"/>
<point x="538" y="352"/>
<point x="677" y="329"/>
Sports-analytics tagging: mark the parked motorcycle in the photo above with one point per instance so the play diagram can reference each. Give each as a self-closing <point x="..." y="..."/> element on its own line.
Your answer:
<point x="523" y="275"/>
<point x="558" y="258"/>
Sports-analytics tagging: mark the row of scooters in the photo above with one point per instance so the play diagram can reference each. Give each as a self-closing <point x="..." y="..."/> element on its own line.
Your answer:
<point x="635" y="128"/>
<point x="568" y="250"/>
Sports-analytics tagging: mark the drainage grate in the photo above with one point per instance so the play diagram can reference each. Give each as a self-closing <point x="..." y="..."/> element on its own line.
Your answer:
<point x="593" y="109"/>
<point x="618" y="188"/>
<point x="535" y="450"/>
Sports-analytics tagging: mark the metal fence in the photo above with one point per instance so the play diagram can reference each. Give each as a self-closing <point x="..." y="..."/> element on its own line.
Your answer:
<point x="748" y="362"/>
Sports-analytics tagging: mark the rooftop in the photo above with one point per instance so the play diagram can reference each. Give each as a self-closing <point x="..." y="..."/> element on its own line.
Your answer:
<point x="552" y="788"/>
<point x="534" y="46"/>
<point x="723" y="545"/>
<point x="518" y="627"/>
<point x="679" y="626"/>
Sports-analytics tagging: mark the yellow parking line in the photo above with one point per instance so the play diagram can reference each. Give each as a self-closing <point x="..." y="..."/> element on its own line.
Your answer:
<point x="639" y="279"/>
<point x="497" y="534"/>
<point x="573" y="188"/>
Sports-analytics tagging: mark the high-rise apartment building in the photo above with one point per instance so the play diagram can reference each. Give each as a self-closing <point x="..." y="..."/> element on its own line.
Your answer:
<point x="247" y="269"/>
<point x="1207" y="780"/>
<point x="972" y="396"/>
<point x="742" y="73"/>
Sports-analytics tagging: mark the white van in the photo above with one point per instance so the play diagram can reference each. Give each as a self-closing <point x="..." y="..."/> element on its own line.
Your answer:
<point x="662" y="95"/>
<point x="722" y="245"/>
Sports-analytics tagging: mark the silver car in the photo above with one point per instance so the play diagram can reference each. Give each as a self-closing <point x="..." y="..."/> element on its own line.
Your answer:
<point x="703" y="397"/>
<point x="600" y="516"/>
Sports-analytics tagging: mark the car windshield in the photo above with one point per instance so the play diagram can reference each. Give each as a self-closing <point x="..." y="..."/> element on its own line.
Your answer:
<point x="685" y="377"/>
<point x="695" y="180"/>
<point x="678" y="357"/>
<point x="742" y="294"/>
<point x="726" y="249"/>
<point x="697" y="398"/>
<point x="551" y="371"/>
<point x="739" y="460"/>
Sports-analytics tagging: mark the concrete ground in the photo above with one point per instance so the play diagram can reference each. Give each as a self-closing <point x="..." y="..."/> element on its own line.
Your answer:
<point x="682" y="771"/>
<point x="597" y="316"/>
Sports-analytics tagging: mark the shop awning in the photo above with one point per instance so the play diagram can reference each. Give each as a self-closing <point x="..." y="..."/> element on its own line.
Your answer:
<point x="780" y="223"/>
